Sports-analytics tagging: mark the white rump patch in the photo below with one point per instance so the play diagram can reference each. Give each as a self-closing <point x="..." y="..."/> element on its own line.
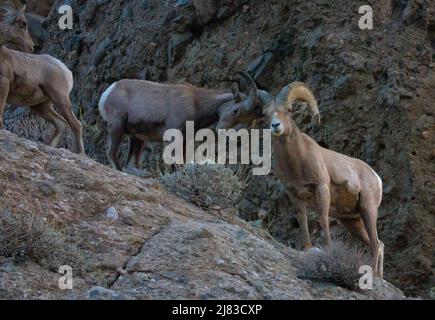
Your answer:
<point x="103" y="99"/>
<point x="380" y="185"/>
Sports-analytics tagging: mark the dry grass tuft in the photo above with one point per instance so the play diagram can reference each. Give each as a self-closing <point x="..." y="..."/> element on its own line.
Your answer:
<point x="26" y="236"/>
<point x="207" y="185"/>
<point x="339" y="264"/>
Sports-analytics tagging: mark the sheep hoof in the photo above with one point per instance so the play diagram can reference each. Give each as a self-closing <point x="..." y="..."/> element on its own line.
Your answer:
<point x="307" y="247"/>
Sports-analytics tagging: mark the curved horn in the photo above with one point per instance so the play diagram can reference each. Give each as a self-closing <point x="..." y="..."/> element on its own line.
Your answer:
<point x="252" y="99"/>
<point x="265" y="97"/>
<point x="300" y="91"/>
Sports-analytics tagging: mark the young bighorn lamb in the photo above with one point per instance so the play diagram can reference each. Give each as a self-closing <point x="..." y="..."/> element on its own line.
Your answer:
<point x="317" y="178"/>
<point x="36" y="81"/>
<point x="144" y="110"/>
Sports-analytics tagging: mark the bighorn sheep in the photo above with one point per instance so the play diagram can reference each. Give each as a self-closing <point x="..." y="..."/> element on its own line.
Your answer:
<point x="317" y="178"/>
<point x="36" y="81"/>
<point x="144" y="110"/>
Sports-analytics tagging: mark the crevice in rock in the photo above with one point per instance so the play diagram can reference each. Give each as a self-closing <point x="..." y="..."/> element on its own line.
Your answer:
<point x="255" y="287"/>
<point x="124" y="265"/>
<point x="431" y="37"/>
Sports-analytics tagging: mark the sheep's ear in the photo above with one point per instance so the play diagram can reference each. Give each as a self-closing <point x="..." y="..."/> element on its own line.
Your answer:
<point x="20" y="13"/>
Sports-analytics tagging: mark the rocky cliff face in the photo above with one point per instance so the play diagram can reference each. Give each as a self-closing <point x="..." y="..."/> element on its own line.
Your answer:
<point x="375" y="91"/>
<point x="39" y="7"/>
<point x="139" y="241"/>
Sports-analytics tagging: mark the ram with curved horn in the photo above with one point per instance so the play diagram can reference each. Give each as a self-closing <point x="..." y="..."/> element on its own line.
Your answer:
<point x="244" y="110"/>
<point x="249" y="110"/>
<point x="320" y="179"/>
<point x="144" y="110"/>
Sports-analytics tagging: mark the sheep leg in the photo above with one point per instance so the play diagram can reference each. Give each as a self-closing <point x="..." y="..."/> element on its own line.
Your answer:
<point x="369" y="213"/>
<point x="356" y="227"/>
<point x="132" y="146"/>
<point x="135" y="153"/>
<point x="302" y="217"/>
<point x="115" y="136"/>
<point x="66" y="111"/>
<point x="4" y="92"/>
<point x="45" y="110"/>
<point x="140" y="155"/>
<point x="303" y="223"/>
<point x="63" y="102"/>
<point x="324" y="202"/>
<point x="381" y="260"/>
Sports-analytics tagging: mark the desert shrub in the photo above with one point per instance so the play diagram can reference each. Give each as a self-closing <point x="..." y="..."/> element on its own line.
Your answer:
<point x="26" y="236"/>
<point x="207" y="185"/>
<point x="338" y="264"/>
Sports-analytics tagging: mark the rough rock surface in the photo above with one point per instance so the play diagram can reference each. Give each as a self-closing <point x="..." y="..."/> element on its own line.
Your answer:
<point x="375" y="91"/>
<point x="39" y="7"/>
<point x="160" y="247"/>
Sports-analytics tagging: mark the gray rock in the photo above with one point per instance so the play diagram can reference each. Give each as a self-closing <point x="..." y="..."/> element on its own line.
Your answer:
<point x="36" y="28"/>
<point x="247" y="209"/>
<point x="177" y="46"/>
<point x="389" y="94"/>
<point x="47" y="188"/>
<point x="112" y="214"/>
<point x="262" y="67"/>
<point x="371" y="150"/>
<point x="101" y="51"/>
<point x="100" y="293"/>
<point x="182" y="3"/>
<point x="224" y="12"/>
<point x="138" y="173"/>
<point x="205" y="10"/>
<point x="127" y="12"/>
<point x="73" y="43"/>
<point x="345" y="86"/>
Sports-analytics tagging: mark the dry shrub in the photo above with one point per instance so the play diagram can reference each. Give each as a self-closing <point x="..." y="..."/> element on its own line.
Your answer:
<point x="338" y="264"/>
<point x="207" y="185"/>
<point x="26" y="236"/>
